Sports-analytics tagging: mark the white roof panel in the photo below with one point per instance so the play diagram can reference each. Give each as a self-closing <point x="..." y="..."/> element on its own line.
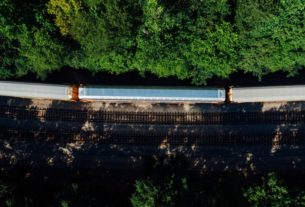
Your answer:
<point x="152" y="93"/>
<point x="268" y="94"/>
<point x="35" y="90"/>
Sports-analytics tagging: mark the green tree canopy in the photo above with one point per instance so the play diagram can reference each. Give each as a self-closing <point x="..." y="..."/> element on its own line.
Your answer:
<point x="29" y="43"/>
<point x="272" y="193"/>
<point x="188" y="39"/>
<point x="272" y="35"/>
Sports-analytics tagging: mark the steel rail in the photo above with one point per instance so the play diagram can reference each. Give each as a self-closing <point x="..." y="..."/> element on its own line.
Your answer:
<point x="152" y="138"/>
<point x="189" y="118"/>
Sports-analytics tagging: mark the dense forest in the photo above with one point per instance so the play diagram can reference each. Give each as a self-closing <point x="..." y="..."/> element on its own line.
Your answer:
<point x="188" y="39"/>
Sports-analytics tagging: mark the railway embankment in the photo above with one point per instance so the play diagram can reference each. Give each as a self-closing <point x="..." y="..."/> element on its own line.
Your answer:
<point x="125" y="135"/>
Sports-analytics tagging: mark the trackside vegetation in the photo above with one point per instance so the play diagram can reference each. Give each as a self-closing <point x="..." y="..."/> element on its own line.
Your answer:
<point x="174" y="190"/>
<point x="188" y="39"/>
<point x="270" y="192"/>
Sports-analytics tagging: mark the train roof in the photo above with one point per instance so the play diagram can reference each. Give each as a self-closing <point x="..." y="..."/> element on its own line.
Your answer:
<point x="152" y="93"/>
<point x="35" y="90"/>
<point x="269" y="93"/>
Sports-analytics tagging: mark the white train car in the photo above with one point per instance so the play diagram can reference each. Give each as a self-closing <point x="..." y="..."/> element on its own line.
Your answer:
<point x="268" y="94"/>
<point x="160" y="94"/>
<point x="151" y="93"/>
<point x="37" y="90"/>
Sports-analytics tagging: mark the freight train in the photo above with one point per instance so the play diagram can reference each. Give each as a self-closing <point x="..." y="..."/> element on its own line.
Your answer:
<point x="75" y="92"/>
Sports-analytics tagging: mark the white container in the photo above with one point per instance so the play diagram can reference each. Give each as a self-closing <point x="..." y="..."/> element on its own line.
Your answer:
<point x="269" y="94"/>
<point x="151" y="93"/>
<point x="35" y="90"/>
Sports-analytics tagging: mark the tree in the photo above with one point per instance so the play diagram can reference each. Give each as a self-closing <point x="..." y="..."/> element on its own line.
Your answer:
<point x="6" y="196"/>
<point x="167" y="193"/>
<point x="272" y="193"/>
<point x="271" y="35"/>
<point x="38" y="52"/>
<point x="187" y="39"/>
<point x="7" y="47"/>
<point x="102" y="30"/>
<point x="146" y="194"/>
<point x="29" y="44"/>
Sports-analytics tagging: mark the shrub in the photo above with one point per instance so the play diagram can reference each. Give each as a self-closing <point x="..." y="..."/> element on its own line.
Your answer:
<point x="272" y="193"/>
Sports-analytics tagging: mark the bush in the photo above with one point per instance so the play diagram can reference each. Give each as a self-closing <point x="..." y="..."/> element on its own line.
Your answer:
<point x="272" y="193"/>
<point x="6" y="196"/>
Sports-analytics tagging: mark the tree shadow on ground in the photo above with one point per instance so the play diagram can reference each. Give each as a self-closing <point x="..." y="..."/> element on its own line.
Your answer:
<point x="74" y="135"/>
<point x="77" y="138"/>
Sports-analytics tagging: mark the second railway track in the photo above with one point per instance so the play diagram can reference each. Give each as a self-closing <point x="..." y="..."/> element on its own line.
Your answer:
<point x="152" y="138"/>
<point x="187" y="118"/>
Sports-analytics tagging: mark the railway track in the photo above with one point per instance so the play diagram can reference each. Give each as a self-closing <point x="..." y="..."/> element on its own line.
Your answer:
<point x="152" y="138"/>
<point x="183" y="118"/>
<point x="146" y="137"/>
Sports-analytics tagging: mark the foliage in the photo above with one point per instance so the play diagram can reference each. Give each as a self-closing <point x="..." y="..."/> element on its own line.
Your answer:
<point x="28" y="46"/>
<point x="64" y="11"/>
<point x="179" y="39"/>
<point x="272" y="193"/>
<point x="156" y="190"/>
<point x="148" y="194"/>
<point x="6" y="197"/>
<point x="100" y="30"/>
<point x="272" y="35"/>
<point x="189" y="39"/>
<point x="38" y="52"/>
<point x="7" y="46"/>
